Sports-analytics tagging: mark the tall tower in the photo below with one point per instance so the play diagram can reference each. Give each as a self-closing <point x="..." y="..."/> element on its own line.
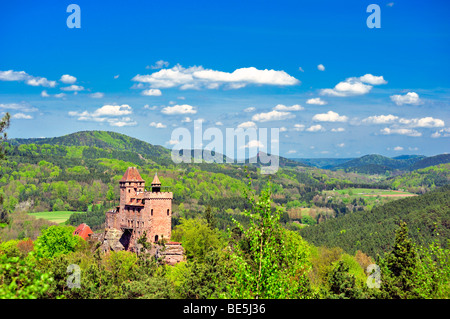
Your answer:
<point x="159" y="205"/>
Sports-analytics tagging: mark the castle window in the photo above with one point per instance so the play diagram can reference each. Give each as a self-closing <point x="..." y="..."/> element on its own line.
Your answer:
<point x="151" y="211"/>
<point x="168" y="212"/>
<point x="128" y="191"/>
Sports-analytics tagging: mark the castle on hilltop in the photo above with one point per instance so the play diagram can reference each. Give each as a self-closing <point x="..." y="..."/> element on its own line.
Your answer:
<point x="140" y="211"/>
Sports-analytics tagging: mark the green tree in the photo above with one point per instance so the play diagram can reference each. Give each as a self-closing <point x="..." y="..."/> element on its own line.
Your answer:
<point x="57" y="240"/>
<point x="197" y="237"/>
<point x="4" y="124"/>
<point x="399" y="267"/>
<point x="268" y="261"/>
<point x="343" y="284"/>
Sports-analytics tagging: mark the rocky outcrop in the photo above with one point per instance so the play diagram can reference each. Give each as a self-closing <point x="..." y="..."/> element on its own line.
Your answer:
<point x="111" y="240"/>
<point x="173" y="253"/>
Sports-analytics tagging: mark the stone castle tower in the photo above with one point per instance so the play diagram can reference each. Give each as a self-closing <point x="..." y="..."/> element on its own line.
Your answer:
<point x="141" y="211"/>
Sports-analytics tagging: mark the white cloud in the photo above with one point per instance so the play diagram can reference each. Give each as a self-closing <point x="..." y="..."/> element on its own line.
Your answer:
<point x="22" y="116"/>
<point x="400" y="131"/>
<point x="22" y="107"/>
<point x="372" y="79"/>
<point x="341" y="145"/>
<point x="339" y="129"/>
<point x="68" y="79"/>
<point x="157" y="125"/>
<point x="316" y="101"/>
<point x="398" y="148"/>
<point x="283" y="129"/>
<point x="320" y="67"/>
<point x="109" y="114"/>
<point x="253" y="144"/>
<point x="250" y="109"/>
<point x="390" y="4"/>
<point x="197" y="77"/>
<point x="295" y="107"/>
<point x="292" y="152"/>
<point x="73" y="87"/>
<point x="354" y="86"/>
<point x="272" y="116"/>
<point x="179" y="109"/>
<point x="445" y="132"/>
<point x="219" y="123"/>
<point x="380" y="119"/>
<point x="113" y="110"/>
<point x="187" y="119"/>
<point x="173" y="142"/>
<point x="152" y="92"/>
<point x="59" y="95"/>
<point x="422" y="122"/>
<point x="116" y="76"/>
<point x="408" y="98"/>
<point x="299" y="127"/>
<point x="148" y="107"/>
<point x="126" y="121"/>
<point x="44" y="94"/>
<point x="315" y="128"/>
<point x="300" y="69"/>
<point x="248" y="124"/>
<point x="330" y="116"/>
<point x="159" y="65"/>
<point x="11" y="75"/>
<point x="97" y="95"/>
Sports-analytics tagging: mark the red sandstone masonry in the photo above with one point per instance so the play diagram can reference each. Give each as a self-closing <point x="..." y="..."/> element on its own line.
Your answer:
<point x="141" y="210"/>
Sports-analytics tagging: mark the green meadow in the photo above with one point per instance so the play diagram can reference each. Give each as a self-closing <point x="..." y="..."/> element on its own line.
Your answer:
<point x="56" y="216"/>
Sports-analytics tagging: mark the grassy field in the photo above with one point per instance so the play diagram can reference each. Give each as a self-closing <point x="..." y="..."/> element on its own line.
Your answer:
<point x="56" y="217"/>
<point x="373" y="192"/>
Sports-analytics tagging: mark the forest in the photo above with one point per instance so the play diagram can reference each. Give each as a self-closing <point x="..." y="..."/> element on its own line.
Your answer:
<point x="246" y="235"/>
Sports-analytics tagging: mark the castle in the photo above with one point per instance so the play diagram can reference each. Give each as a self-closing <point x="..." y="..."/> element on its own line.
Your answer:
<point x="140" y="211"/>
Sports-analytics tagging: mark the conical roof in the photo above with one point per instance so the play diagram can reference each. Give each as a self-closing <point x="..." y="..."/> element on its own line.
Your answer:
<point x="131" y="175"/>
<point x="156" y="180"/>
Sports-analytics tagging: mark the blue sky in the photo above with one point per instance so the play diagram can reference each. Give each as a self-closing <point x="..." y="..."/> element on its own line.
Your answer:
<point x="313" y="69"/>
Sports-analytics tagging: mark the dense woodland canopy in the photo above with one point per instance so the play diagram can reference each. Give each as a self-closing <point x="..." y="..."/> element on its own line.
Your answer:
<point x="303" y="232"/>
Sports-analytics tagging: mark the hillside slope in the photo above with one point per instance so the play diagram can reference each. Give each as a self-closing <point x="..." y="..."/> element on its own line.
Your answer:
<point x="373" y="232"/>
<point x="380" y="161"/>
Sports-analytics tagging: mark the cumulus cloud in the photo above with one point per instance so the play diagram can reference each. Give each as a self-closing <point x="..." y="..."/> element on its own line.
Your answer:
<point x="408" y="98"/>
<point x="22" y="116"/>
<point x="315" y="128"/>
<point x="73" y="88"/>
<point x="250" y="109"/>
<point x="68" y="79"/>
<point x="295" y="107"/>
<point x="354" y="86"/>
<point x="22" y="107"/>
<point x="109" y="114"/>
<point x="339" y="129"/>
<point x="157" y="125"/>
<point x="316" y="101"/>
<point x="330" y="116"/>
<point x="340" y="145"/>
<point x="299" y="127"/>
<point x="398" y="148"/>
<point x="159" y="65"/>
<point x="320" y="67"/>
<point x="59" y="95"/>
<point x="248" y="124"/>
<point x="152" y="92"/>
<point x="22" y="76"/>
<point x="197" y="77"/>
<point x="179" y="109"/>
<point x="187" y="119"/>
<point x="97" y="95"/>
<point x="380" y="119"/>
<point x="272" y="116"/>
<point x="445" y="132"/>
<point x="401" y="131"/>
<point x="253" y="144"/>
<point x="422" y="122"/>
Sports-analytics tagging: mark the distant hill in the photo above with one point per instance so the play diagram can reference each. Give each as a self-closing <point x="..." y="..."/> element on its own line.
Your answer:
<point x="374" y="159"/>
<point x="100" y="139"/>
<point x="324" y="163"/>
<point x="373" y="232"/>
<point x="431" y="161"/>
